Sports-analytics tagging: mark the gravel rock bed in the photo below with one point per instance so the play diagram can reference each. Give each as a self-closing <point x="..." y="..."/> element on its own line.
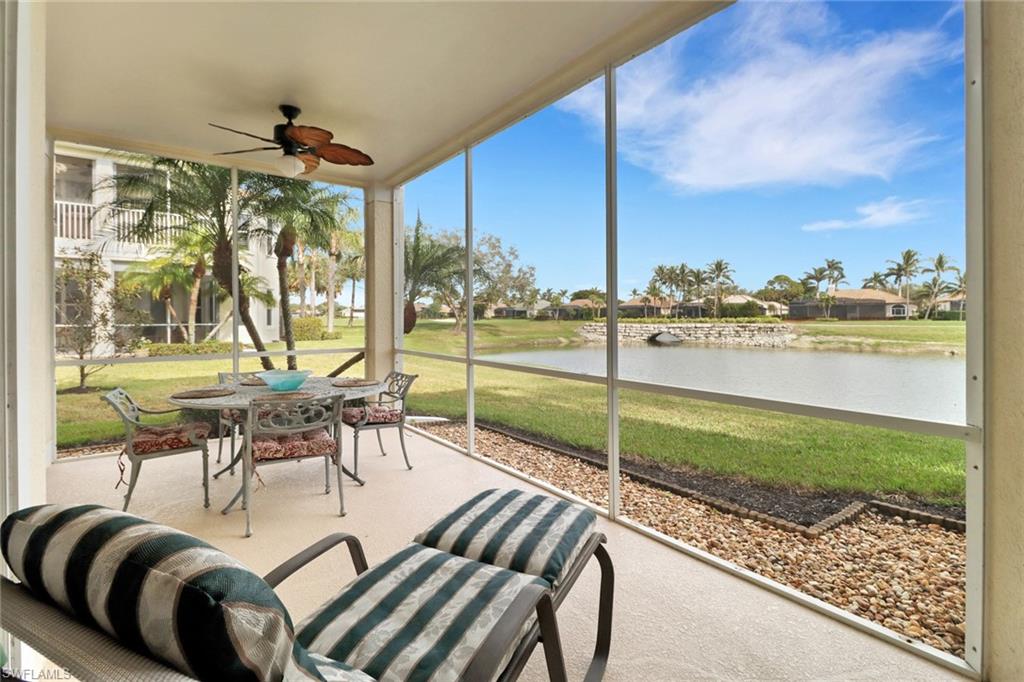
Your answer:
<point x="101" y="449"/>
<point x="908" y="576"/>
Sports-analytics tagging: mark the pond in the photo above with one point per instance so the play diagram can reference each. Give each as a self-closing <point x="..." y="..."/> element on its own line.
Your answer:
<point x="909" y="385"/>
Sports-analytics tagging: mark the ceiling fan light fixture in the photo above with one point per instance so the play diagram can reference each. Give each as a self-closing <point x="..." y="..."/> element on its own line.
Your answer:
<point x="289" y="165"/>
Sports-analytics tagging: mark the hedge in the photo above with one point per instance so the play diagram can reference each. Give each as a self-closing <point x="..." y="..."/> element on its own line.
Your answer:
<point x="307" y="328"/>
<point x="202" y="348"/>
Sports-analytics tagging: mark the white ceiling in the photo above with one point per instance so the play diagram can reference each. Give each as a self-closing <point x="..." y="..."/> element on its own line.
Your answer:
<point x="397" y="80"/>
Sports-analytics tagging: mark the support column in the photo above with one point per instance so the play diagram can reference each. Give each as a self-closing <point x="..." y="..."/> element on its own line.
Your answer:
<point x="1003" y="102"/>
<point x="381" y="213"/>
<point x="28" y="245"/>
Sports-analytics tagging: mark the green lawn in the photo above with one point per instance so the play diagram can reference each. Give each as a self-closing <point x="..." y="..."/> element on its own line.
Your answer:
<point x="773" y="448"/>
<point x="893" y="335"/>
<point x="437" y="335"/>
<point x="769" y="447"/>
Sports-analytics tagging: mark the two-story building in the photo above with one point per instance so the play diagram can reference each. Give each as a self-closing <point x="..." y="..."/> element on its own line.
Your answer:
<point x="84" y="222"/>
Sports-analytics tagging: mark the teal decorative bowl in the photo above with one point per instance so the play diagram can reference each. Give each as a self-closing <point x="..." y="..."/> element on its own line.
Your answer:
<point x="284" y="379"/>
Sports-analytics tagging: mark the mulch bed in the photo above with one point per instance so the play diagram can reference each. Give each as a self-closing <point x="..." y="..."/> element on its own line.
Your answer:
<point x="903" y="573"/>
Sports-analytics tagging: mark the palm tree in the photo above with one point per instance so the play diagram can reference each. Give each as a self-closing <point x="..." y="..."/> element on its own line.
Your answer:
<point x="876" y="280"/>
<point x="652" y="294"/>
<point x="834" y="272"/>
<point x="904" y="270"/>
<point x="160" y="276"/>
<point x="816" y="276"/>
<point x="721" y="273"/>
<point x="665" y="276"/>
<point x="431" y="265"/>
<point x="351" y="260"/>
<point x="310" y="219"/>
<point x="930" y="292"/>
<point x="684" y="280"/>
<point x="699" y="279"/>
<point x="940" y="265"/>
<point x="959" y="288"/>
<point x="200" y="195"/>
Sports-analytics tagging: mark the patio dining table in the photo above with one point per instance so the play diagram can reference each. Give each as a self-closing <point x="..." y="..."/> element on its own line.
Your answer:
<point x="319" y="387"/>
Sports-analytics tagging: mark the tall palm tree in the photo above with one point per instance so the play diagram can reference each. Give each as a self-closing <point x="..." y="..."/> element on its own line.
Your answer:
<point x="308" y="222"/>
<point x="876" y="280"/>
<point x="959" y="288"/>
<point x="351" y="261"/>
<point x="931" y="290"/>
<point x="200" y="195"/>
<point x="816" y="276"/>
<point x="431" y="265"/>
<point x="653" y="294"/>
<point x="939" y="266"/>
<point x="684" y="280"/>
<point x="721" y="273"/>
<point x="698" y="280"/>
<point x="904" y="270"/>
<point x="834" y="272"/>
<point x="665" y="276"/>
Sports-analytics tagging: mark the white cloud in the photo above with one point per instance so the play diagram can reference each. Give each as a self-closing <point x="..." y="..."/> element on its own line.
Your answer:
<point x="787" y="100"/>
<point x="888" y="212"/>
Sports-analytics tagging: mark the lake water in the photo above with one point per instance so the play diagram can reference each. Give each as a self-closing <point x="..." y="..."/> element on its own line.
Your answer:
<point x="922" y="386"/>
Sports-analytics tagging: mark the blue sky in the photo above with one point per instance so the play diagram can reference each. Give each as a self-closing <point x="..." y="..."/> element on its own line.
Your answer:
<point x="771" y="135"/>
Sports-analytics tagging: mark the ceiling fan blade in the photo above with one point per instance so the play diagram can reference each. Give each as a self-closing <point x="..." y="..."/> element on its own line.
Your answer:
<point x="243" y="151"/>
<point x="309" y="136"/>
<point x="312" y="162"/>
<point x="343" y="154"/>
<point x="242" y="132"/>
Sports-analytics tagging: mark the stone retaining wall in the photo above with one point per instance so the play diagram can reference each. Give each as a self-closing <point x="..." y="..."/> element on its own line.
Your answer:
<point x="724" y="334"/>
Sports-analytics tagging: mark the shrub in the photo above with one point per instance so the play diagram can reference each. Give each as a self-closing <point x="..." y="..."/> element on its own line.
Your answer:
<point x="308" y="328"/>
<point x="746" y="309"/>
<point x="202" y="348"/>
<point x="332" y="336"/>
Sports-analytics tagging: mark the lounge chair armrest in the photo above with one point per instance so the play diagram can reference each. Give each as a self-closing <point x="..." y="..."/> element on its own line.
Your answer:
<point x="286" y="569"/>
<point x="508" y="631"/>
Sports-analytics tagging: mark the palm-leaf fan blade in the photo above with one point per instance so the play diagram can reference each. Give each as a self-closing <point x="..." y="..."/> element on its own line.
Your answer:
<point x="343" y="154"/>
<point x="309" y="136"/>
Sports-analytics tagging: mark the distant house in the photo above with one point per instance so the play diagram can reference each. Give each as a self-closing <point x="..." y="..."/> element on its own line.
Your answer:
<point x="520" y="312"/>
<point x="767" y="307"/>
<point x="647" y="307"/>
<point x="856" y="304"/>
<point x="954" y="304"/>
<point x="703" y="308"/>
<point x="578" y="309"/>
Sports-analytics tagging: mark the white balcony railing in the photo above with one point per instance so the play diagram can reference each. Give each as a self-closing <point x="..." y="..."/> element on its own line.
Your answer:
<point x="74" y="220"/>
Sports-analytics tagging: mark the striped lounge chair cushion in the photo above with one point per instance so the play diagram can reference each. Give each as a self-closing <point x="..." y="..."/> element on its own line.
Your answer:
<point x="525" y="532"/>
<point x="158" y="591"/>
<point x="420" y="615"/>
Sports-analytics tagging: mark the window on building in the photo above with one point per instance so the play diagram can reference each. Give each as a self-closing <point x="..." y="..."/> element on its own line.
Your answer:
<point x="72" y="179"/>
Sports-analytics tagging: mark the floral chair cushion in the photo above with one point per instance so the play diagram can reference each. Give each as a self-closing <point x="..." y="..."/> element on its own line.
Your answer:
<point x="308" y="444"/>
<point x="379" y="414"/>
<point x="151" y="439"/>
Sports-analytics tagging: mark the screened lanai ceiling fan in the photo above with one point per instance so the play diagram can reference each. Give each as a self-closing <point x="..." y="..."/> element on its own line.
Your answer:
<point x="303" y="146"/>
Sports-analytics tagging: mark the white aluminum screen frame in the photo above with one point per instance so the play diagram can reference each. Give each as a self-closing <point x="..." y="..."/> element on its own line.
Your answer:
<point x="971" y="431"/>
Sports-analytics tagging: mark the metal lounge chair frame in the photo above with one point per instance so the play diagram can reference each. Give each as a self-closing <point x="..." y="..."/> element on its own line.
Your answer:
<point x="92" y="656"/>
<point x="131" y="413"/>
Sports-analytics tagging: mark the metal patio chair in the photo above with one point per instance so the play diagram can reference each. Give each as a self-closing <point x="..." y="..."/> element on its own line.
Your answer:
<point x="384" y="413"/>
<point x="143" y="442"/>
<point x="279" y="430"/>
<point x="230" y="421"/>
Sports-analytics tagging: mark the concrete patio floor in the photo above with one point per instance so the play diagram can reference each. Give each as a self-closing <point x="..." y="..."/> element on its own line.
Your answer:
<point x="676" y="618"/>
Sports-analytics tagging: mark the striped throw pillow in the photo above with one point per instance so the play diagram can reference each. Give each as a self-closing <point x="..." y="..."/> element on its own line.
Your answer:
<point x="420" y="615"/>
<point x="535" y="534"/>
<point x="159" y="591"/>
